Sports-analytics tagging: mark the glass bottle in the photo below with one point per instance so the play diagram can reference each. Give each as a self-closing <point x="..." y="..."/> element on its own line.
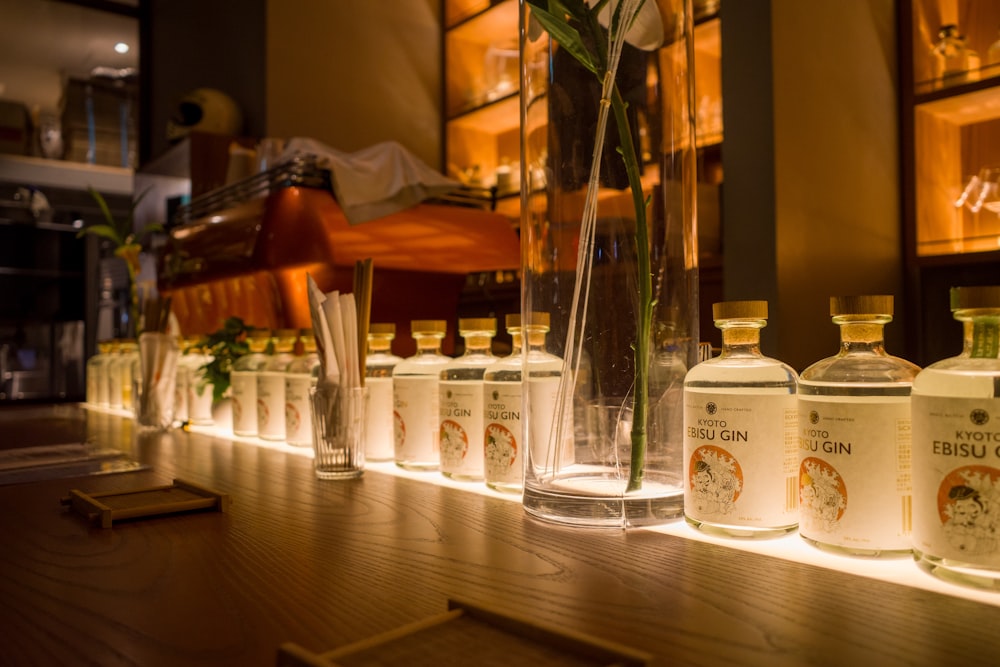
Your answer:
<point x="182" y="384"/>
<point x="993" y="56"/>
<point x="956" y="455"/>
<point x="740" y="435"/>
<point x="115" y="376"/>
<point x="415" y="398"/>
<point x="460" y="400"/>
<point x="97" y="375"/>
<point x="243" y="382"/>
<point x="271" y="386"/>
<point x="301" y="376"/>
<point x="949" y="56"/>
<point x="379" y="364"/>
<point x="200" y="391"/>
<point x="854" y="438"/>
<point x="503" y="458"/>
<point x="550" y="441"/>
<point x="129" y="358"/>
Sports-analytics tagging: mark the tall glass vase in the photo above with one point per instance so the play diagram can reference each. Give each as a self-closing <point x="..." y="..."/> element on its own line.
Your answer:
<point x="610" y="253"/>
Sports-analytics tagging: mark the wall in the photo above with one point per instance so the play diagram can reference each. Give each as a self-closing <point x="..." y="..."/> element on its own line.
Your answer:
<point x="188" y="44"/>
<point x="353" y="73"/>
<point x="349" y="73"/>
<point x="835" y="198"/>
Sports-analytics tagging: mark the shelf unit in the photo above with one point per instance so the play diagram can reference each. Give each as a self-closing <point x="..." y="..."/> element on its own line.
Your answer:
<point x="482" y="102"/>
<point x="950" y="133"/>
<point x="482" y="118"/>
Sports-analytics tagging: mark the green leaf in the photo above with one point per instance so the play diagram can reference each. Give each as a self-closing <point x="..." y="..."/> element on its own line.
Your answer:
<point x="566" y="35"/>
<point x="106" y="231"/>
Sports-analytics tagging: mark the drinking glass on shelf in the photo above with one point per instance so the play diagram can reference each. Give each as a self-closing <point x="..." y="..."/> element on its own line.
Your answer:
<point x="981" y="191"/>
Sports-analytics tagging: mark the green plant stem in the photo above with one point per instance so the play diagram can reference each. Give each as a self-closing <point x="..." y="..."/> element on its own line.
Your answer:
<point x="644" y="314"/>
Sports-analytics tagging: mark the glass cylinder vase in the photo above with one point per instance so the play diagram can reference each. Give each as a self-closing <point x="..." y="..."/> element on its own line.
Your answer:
<point x="610" y="252"/>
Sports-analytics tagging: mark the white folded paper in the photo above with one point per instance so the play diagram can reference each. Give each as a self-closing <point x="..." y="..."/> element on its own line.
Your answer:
<point x="335" y="326"/>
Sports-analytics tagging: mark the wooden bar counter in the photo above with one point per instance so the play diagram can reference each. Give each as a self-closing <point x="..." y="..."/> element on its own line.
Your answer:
<point x="323" y="564"/>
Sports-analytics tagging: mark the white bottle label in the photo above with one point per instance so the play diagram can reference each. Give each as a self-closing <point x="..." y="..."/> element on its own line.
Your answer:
<point x="199" y="401"/>
<point x="244" y="386"/>
<point x="956" y="479"/>
<point x="741" y="458"/>
<point x="379" y="438"/>
<point x="415" y="402"/>
<point x="550" y="440"/>
<point x="854" y="472"/>
<point x="461" y="441"/>
<point x="271" y="405"/>
<point x="298" y="411"/>
<point x="181" y="411"/>
<point x="503" y="458"/>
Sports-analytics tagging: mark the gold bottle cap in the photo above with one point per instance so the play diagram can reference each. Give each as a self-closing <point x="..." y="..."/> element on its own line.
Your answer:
<point x="259" y="333"/>
<point x="868" y="304"/>
<point x="382" y="328"/>
<point x="287" y="333"/>
<point x="975" y="296"/>
<point x="428" y="326"/>
<point x="477" y="324"/>
<point x="739" y="310"/>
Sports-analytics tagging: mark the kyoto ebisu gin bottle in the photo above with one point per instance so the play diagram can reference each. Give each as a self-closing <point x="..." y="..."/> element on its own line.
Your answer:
<point x="271" y="386"/>
<point x="460" y="401"/>
<point x="740" y="437"/>
<point x="243" y="382"/>
<point x="415" y="398"/>
<point x="379" y="364"/>
<point x="301" y="375"/>
<point x="855" y="439"/>
<point x="503" y="458"/>
<point x="956" y="449"/>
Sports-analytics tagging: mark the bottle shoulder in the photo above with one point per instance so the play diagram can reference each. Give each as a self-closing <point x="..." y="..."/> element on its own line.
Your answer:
<point x="742" y="370"/>
<point x="861" y="368"/>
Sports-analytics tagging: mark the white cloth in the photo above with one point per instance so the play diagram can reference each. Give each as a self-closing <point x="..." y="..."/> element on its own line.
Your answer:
<point x="376" y="181"/>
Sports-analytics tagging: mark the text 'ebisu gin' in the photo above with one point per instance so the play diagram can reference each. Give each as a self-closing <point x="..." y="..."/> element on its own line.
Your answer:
<point x="956" y="449"/>
<point x="740" y="438"/>
<point x="855" y="439"/>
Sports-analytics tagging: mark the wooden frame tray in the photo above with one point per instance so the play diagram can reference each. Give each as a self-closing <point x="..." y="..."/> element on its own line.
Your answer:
<point x="180" y="496"/>
<point x="469" y="635"/>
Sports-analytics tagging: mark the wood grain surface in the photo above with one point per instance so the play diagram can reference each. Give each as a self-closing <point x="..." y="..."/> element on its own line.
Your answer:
<point x="323" y="564"/>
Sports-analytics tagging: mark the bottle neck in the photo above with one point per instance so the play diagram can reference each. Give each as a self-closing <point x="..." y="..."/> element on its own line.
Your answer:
<point x="379" y="344"/>
<point x="982" y="337"/>
<point x="740" y="339"/>
<point x="428" y="344"/>
<point x="861" y="336"/>
<point x="536" y="339"/>
<point x="515" y="341"/>
<point x="478" y="343"/>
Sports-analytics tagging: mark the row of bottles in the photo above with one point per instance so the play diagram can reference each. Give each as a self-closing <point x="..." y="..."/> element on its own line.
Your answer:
<point x="864" y="453"/>
<point x="953" y="61"/>
<point x="460" y="416"/>
<point x="271" y="384"/>
<point x="113" y="372"/>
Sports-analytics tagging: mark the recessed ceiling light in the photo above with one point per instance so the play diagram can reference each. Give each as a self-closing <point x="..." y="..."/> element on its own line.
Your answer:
<point x="121" y="47"/>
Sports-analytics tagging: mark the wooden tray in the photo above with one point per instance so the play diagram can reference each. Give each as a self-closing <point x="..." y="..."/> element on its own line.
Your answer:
<point x="469" y="635"/>
<point x="180" y="496"/>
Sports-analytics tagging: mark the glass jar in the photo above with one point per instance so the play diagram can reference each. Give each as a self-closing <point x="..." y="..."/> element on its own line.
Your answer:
<point x="460" y="401"/>
<point x="415" y="398"/>
<point x="854" y="444"/>
<point x="956" y="455"/>
<point x="379" y="364"/>
<point x="740" y="436"/>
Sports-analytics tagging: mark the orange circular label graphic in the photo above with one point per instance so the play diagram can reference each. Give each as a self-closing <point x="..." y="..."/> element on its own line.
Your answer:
<point x="960" y="495"/>
<point x="821" y="489"/>
<point x="715" y="468"/>
<point x="502" y="441"/>
<point x="399" y="428"/>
